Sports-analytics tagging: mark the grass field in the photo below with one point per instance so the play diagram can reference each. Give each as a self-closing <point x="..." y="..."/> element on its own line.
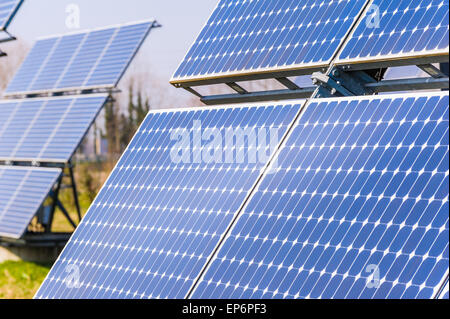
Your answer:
<point x="21" y="280"/>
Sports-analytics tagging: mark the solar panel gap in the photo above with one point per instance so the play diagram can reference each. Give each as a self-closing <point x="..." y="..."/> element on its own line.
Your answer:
<point x="264" y="171"/>
<point x="443" y="289"/>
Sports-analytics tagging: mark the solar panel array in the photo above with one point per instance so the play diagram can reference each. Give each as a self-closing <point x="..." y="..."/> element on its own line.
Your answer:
<point x="46" y="130"/>
<point x="361" y="187"/>
<point x="359" y="192"/>
<point x="22" y="191"/>
<point x="95" y="59"/>
<point x="399" y="29"/>
<point x="8" y="9"/>
<point x="156" y="221"/>
<point x="254" y="36"/>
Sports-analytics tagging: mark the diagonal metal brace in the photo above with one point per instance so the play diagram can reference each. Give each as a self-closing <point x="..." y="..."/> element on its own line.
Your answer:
<point x="327" y="82"/>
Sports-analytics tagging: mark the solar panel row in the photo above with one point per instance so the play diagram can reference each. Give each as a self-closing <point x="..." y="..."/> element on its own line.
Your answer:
<point x="245" y="37"/>
<point x="95" y="59"/>
<point x="357" y="206"/>
<point x="22" y="191"/>
<point x="263" y="35"/>
<point x="8" y="9"/>
<point x="158" y="219"/>
<point x="46" y="130"/>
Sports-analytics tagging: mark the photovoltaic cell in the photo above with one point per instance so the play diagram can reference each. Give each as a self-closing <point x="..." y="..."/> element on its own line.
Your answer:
<point x="46" y="130"/>
<point x="399" y="29"/>
<point x="8" y="9"/>
<point x="254" y="36"/>
<point x="357" y="207"/>
<point x="157" y="219"/>
<point x="22" y="191"/>
<point x="95" y="59"/>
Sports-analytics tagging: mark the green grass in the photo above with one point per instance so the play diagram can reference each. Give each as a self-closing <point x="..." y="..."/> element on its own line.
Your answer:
<point x="21" y="280"/>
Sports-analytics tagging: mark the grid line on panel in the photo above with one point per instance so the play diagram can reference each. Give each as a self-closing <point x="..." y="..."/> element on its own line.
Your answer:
<point x="314" y="243"/>
<point x="159" y="220"/>
<point x="390" y="31"/>
<point x="246" y="37"/>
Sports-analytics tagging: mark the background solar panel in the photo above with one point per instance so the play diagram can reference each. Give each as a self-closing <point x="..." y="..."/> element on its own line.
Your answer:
<point x="93" y="59"/>
<point x="8" y="9"/>
<point x="47" y="129"/>
<point x="155" y="222"/>
<point x="361" y="192"/>
<point x="22" y="191"/>
<point x="261" y="35"/>
<point x="405" y="28"/>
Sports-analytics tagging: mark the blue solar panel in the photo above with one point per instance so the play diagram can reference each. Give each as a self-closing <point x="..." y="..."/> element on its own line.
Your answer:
<point x="8" y="9"/>
<point x="257" y="36"/>
<point x="95" y="59"/>
<point x="22" y="191"/>
<point x="357" y="208"/>
<point x="156" y="221"/>
<point x="46" y="130"/>
<point x="399" y="29"/>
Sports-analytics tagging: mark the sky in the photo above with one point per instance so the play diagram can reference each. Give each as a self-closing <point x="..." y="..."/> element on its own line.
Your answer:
<point x="165" y="47"/>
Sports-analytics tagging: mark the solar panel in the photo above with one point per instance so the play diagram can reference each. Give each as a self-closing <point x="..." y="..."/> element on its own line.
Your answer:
<point x="158" y="218"/>
<point x="86" y="60"/>
<point x="398" y="30"/>
<point x="8" y="8"/>
<point x="263" y="36"/>
<point x="22" y="191"/>
<point x="357" y="207"/>
<point x="46" y="129"/>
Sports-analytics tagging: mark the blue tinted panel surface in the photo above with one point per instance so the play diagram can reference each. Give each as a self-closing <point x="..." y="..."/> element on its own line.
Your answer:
<point x="157" y="220"/>
<point x="250" y="36"/>
<point x="22" y="191"/>
<point x="7" y="11"/>
<point x="91" y="59"/>
<point x="46" y="129"/>
<point x="402" y="28"/>
<point x="361" y="187"/>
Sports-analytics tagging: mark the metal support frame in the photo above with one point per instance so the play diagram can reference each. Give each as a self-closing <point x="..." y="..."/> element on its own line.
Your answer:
<point x="57" y="204"/>
<point x="339" y="81"/>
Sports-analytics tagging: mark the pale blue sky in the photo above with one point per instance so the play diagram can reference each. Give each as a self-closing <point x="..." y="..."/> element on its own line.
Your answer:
<point x="165" y="47"/>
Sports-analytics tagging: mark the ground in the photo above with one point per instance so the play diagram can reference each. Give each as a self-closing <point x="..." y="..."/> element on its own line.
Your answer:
<point x="21" y="280"/>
